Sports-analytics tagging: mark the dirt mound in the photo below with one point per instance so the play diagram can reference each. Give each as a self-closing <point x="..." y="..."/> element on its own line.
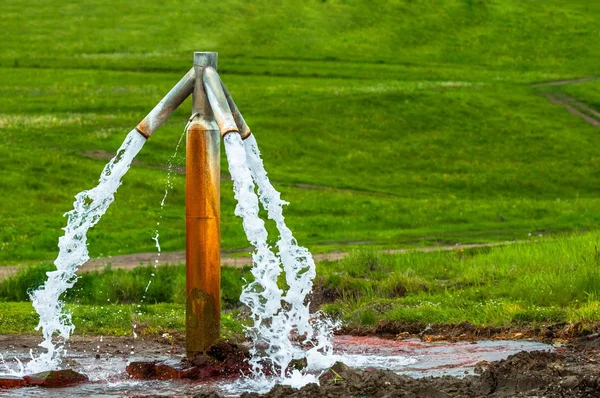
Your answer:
<point x="465" y="331"/>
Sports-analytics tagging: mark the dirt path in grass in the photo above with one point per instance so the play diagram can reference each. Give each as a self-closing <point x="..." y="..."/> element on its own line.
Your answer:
<point x="566" y="81"/>
<point x="576" y="108"/>
<point x="129" y="261"/>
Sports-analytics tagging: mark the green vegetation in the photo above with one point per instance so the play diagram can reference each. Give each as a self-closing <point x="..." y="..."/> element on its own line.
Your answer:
<point x="114" y="319"/>
<point x="552" y="280"/>
<point x="413" y="122"/>
<point x="147" y="285"/>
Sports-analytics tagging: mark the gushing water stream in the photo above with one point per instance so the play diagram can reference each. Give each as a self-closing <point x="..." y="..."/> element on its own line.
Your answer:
<point x="279" y="317"/>
<point x="88" y="208"/>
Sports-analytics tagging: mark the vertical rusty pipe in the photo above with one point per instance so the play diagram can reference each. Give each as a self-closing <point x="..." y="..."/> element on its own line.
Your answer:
<point x="203" y="258"/>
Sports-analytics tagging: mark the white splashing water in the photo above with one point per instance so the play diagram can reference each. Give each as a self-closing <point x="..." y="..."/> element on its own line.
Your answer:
<point x="298" y="265"/>
<point x="88" y="208"/>
<point x="281" y="319"/>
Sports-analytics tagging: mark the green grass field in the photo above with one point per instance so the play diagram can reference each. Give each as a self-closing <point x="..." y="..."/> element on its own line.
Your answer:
<point x="552" y="280"/>
<point x="412" y="122"/>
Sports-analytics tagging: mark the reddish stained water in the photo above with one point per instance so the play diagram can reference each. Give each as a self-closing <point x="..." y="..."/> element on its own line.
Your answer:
<point x="418" y="359"/>
<point x="411" y="357"/>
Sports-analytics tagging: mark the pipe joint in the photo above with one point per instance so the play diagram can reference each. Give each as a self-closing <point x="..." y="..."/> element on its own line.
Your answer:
<point x="218" y="102"/>
<point x="167" y="105"/>
<point x="243" y="128"/>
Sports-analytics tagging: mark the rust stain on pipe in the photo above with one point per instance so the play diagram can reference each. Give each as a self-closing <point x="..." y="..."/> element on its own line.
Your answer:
<point x="203" y="209"/>
<point x="203" y="247"/>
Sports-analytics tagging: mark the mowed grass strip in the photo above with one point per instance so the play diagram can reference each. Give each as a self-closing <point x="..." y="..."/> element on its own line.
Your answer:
<point x="117" y="319"/>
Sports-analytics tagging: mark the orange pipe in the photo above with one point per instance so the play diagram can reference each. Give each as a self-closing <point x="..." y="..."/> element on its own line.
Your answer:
<point x="203" y="246"/>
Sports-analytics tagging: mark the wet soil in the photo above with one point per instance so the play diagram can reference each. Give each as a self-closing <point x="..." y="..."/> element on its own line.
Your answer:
<point x="557" y="333"/>
<point x="571" y="370"/>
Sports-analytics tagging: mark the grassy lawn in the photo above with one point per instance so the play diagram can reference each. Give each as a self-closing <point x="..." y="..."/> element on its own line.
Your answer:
<point x="407" y="123"/>
<point x="115" y="320"/>
<point x="411" y="123"/>
<point x="553" y="280"/>
<point x="413" y="161"/>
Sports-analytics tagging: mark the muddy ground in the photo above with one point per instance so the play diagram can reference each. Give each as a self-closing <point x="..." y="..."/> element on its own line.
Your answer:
<point x="572" y="370"/>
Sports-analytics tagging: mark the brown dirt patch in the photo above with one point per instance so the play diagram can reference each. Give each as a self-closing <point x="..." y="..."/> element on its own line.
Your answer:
<point x="559" y="333"/>
<point x="569" y="372"/>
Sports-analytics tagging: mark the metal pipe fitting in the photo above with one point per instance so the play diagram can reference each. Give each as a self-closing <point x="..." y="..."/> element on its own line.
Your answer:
<point x="237" y="115"/>
<point x="200" y="104"/>
<point x="167" y="105"/>
<point x="218" y="102"/>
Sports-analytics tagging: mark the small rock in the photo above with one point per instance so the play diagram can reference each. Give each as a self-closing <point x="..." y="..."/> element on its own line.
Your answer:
<point x="335" y="371"/>
<point x="432" y="338"/>
<point x="223" y="350"/>
<point x="481" y="366"/>
<point x="141" y="370"/>
<point x="570" y="382"/>
<point x="11" y="382"/>
<point x="174" y="370"/>
<point x="56" y="378"/>
<point x="298" y="364"/>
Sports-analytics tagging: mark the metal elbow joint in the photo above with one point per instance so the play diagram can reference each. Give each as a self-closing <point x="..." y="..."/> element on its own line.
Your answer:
<point x="243" y="128"/>
<point x="218" y="102"/>
<point x="167" y="105"/>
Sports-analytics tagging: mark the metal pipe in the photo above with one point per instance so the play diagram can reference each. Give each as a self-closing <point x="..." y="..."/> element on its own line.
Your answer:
<point x="218" y="101"/>
<point x="203" y="248"/>
<point x="237" y="115"/>
<point x="167" y="105"/>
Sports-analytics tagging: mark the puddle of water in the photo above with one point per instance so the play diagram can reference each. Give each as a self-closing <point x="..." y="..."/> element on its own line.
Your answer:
<point x="416" y="358"/>
<point x="410" y="357"/>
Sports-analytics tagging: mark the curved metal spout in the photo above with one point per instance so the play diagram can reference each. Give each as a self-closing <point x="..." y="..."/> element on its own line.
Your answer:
<point x="218" y="102"/>
<point x="167" y="105"/>
<point x="237" y="115"/>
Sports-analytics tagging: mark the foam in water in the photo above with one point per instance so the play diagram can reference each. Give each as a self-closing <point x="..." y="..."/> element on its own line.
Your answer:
<point x="279" y="317"/>
<point x="298" y="265"/>
<point x="88" y="208"/>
